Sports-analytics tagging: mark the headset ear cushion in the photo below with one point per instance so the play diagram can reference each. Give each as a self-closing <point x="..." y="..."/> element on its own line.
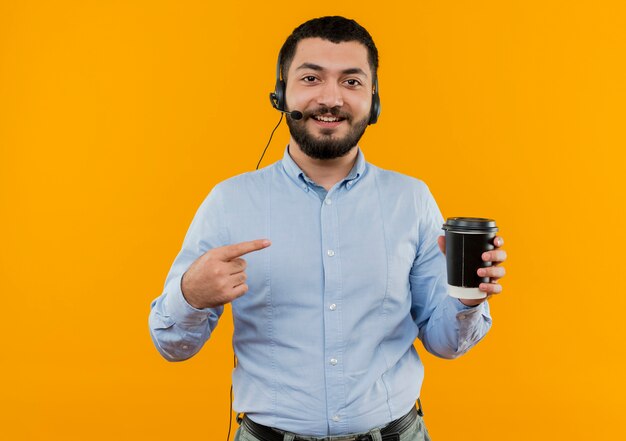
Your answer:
<point x="279" y="91"/>
<point x="375" y="110"/>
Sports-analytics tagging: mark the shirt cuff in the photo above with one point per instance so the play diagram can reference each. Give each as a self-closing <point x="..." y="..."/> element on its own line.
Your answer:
<point x="460" y="306"/>
<point x="473" y="323"/>
<point x="464" y="312"/>
<point x="181" y="311"/>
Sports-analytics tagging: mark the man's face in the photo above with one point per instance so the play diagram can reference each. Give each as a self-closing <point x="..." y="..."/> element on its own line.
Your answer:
<point x="331" y="84"/>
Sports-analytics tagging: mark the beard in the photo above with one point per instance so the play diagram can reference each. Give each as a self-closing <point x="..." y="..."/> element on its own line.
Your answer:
<point x="326" y="146"/>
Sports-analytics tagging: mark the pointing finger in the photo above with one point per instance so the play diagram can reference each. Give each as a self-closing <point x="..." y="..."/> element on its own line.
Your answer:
<point x="230" y="252"/>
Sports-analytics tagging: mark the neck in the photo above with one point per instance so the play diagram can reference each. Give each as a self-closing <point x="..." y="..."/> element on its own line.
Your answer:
<point x="324" y="172"/>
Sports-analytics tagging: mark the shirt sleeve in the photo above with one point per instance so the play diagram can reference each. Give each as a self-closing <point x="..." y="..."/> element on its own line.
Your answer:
<point x="179" y="330"/>
<point x="447" y="327"/>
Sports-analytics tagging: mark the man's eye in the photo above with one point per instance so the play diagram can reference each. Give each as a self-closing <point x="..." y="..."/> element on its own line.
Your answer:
<point x="309" y="78"/>
<point x="353" y="82"/>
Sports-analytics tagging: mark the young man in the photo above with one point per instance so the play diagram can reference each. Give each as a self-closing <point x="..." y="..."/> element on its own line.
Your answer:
<point x="327" y="312"/>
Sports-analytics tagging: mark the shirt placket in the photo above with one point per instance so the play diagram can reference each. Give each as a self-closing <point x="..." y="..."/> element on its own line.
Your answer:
<point x="333" y="338"/>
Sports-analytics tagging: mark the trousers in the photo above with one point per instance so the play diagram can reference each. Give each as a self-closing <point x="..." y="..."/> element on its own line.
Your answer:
<point x="415" y="432"/>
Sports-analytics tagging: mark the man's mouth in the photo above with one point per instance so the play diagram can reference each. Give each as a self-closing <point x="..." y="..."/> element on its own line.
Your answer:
<point x="328" y="120"/>
<point x="325" y="118"/>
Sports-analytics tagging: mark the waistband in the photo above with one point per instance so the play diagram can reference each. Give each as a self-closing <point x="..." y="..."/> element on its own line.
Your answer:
<point x="391" y="432"/>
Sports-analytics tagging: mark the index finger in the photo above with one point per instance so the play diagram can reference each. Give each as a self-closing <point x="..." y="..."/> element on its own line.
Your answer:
<point x="498" y="241"/>
<point x="230" y="252"/>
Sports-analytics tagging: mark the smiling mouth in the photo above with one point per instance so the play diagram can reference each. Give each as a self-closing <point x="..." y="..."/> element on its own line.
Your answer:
<point x="324" y="118"/>
<point x="328" y="121"/>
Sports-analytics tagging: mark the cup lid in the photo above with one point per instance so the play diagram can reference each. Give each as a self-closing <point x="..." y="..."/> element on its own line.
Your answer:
<point x="470" y="224"/>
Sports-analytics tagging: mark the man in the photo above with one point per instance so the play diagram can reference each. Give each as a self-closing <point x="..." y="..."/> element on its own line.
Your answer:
<point x="327" y="312"/>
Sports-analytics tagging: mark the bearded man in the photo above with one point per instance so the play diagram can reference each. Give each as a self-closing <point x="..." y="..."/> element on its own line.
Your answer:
<point x="343" y="265"/>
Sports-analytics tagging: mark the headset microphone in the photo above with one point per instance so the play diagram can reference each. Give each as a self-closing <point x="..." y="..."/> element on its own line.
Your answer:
<point x="294" y="115"/>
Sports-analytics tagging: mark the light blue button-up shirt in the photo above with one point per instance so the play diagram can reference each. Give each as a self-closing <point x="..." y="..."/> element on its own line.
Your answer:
<point x="324" y="336"/>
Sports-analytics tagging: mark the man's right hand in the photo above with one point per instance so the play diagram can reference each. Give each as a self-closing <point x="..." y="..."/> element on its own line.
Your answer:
<point x="217" y="277"/>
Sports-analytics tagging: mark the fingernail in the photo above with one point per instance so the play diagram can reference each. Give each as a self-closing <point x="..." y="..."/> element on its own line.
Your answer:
<point x="486" y="256"/>
<point x="266" y="243"/>
<point x="481" y="272"/>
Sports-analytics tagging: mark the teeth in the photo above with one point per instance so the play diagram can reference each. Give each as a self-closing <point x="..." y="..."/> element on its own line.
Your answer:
<point x="327" y="118"/>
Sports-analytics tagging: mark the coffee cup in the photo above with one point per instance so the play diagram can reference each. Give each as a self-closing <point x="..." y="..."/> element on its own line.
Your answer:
<point x="467" y="238"/>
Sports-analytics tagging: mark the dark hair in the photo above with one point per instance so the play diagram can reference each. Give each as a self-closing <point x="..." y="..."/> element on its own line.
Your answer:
<point x="334" y="28"/>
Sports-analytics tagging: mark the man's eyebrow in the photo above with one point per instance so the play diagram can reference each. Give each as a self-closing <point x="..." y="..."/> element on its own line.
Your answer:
<point x="318" y="68"/>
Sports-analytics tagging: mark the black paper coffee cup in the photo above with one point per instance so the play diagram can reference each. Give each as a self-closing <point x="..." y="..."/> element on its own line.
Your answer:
<point x="467" y="238"/>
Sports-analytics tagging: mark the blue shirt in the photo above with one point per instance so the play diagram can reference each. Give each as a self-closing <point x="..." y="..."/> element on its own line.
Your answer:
<point x="324" y="336"/>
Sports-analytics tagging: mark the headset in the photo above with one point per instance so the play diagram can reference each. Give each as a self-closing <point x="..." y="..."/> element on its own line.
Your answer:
<point x="278" y="101"/>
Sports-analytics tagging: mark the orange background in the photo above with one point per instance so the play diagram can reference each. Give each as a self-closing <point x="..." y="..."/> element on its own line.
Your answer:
<point x="117" y="118"/>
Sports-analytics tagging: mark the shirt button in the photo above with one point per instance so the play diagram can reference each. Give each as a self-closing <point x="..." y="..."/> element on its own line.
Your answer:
<point x="333" y="307"/>
<point x="333" y="361"/>
<point x="331" y="253"/>
<point x="336" y="418"/>
<point x="328" y="201"/>
<point x="185" y="347"/>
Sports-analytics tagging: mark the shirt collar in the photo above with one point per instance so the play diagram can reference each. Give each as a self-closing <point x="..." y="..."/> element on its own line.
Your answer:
<point x="299" y="177"/>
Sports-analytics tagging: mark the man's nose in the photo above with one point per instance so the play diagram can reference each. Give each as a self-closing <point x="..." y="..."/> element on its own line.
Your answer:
<point x="330" y="95"/>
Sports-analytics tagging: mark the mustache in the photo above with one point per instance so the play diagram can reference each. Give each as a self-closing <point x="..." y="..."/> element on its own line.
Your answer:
<point x="324" y="110"/>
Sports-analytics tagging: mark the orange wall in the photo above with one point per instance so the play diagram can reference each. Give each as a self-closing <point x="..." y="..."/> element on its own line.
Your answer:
<point x="117" y="118"/>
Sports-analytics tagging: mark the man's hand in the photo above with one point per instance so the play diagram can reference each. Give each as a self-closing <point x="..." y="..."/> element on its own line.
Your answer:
<point x="494" y="272"/>
<point x="217" y="277"/>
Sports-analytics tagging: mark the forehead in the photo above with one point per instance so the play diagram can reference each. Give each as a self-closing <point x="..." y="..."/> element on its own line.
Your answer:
<point x="331" y="56"/>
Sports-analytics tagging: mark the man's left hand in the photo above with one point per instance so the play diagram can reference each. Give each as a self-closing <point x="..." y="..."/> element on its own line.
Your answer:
<point x="494" y="272"/>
